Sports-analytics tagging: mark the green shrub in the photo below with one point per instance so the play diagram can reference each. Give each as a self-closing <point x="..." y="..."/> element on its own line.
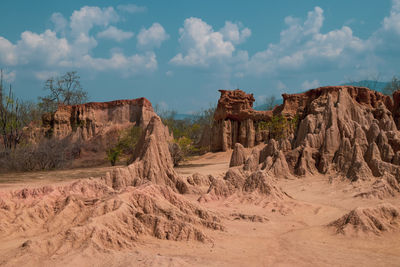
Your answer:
<point x="279" y="126"/>
<point x="125" y="146"/>
<point x="128" y="140"/>
<point x="113" y="155"/>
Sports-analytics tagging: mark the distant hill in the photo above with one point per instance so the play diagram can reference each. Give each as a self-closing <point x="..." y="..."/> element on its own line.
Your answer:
<point x="373" y="85"/>
<point x="185" y="116"/>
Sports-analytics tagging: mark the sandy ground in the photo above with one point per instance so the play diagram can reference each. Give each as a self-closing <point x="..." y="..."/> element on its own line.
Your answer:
<point x="210" y="163"/>
<point x="38" y="178"/>
<point x="289" y="233"/>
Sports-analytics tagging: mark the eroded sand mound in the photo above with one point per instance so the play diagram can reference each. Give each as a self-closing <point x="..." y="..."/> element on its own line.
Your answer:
<point x="239" y="155"/>
<point x="151" y="162"/>
<point x="88" y="214"/>
<point x="381" y="188"/>
<point x="376" y="220"/>
<point x="240" y="185"/>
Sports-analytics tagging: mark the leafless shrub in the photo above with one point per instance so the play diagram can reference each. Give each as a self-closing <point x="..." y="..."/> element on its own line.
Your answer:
<point x="176" y="153"/>
<point x="270" y="102"/>
<point x="47" y="154"/>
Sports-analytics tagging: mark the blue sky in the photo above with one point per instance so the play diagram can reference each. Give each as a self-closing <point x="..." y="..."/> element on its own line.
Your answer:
<point x="179" y="53"/>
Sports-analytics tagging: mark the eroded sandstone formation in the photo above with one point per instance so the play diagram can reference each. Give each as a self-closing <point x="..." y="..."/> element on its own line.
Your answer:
<point x="92" y="128"/>
<point x="345" y="130"/>
<point x="235" y="121"/>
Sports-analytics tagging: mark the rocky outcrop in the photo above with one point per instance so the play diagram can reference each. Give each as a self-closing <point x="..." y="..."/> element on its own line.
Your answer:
<point x="237" y="105"/>
<point x="235" y="121"/>
<point x="345" y="130"/>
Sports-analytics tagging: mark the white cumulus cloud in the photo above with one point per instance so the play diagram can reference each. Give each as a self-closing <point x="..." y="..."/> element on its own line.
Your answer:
<point x="138" y="63"/>
<point x="83" y="20"/>
<point x="72" y="47"/>
<point x="60" y="23"/>
<point x="8" y="54"/>
<point x="235" y="33"/>
<point x="392" y="22"/>
<point x="116" y="34"/>
<point x="201" y="45"/>
<point x="45" y="48"/>
<point x="152" y="37"/>
<point x="302" y="45"/>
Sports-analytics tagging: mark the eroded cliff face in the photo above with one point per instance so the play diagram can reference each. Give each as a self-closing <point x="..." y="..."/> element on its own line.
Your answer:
<point x="235" y="120"/>
<point x="346" y="130"/>
<point x="96" y="118"/>
<point x="92" y="127"/>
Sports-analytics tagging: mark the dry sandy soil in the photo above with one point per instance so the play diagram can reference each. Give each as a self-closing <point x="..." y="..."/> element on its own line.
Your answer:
<point x="292" y="232"/>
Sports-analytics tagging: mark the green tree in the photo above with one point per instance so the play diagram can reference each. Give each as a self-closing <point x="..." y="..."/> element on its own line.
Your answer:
<point x="279" y="126"/>
<point x="65" y="90"/>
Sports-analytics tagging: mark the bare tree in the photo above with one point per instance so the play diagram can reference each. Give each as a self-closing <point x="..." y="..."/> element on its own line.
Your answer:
<point x="1" y="88"/>
<point x="65" y="90"/>
<point x="392" y="86"/>
<point x="270" y="102"/>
